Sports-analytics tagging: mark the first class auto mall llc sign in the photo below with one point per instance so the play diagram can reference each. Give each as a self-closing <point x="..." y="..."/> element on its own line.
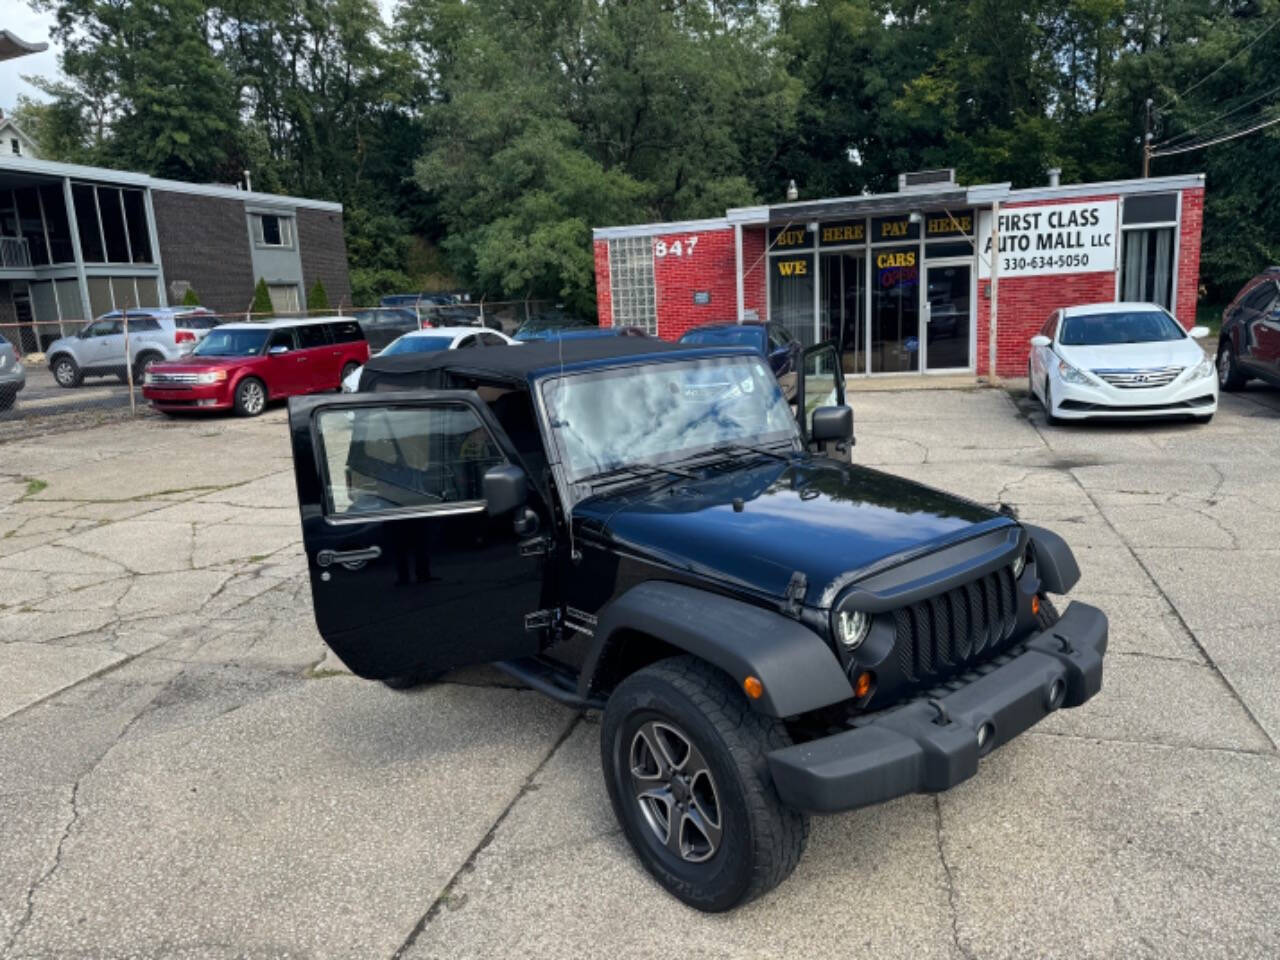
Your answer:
<point x="1056" y="238"/>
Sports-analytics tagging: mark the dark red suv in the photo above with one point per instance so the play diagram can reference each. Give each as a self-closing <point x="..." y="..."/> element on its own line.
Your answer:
<point x="242" y="366"/>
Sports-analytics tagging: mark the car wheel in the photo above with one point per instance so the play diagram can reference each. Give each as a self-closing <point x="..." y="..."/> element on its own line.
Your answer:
<point x="410" y="680"/>
<point x="347" y="371"/>
<point x="251" y="397"/>
<point x="1049" y="418"/>
<point x="1047" y="615"/>
<point x="7" y="398"/>
<point x="67" y="373"/>
<point x="684" y="762"/>
<point x="1229" y="375"/>
<point x="143" y="364"/>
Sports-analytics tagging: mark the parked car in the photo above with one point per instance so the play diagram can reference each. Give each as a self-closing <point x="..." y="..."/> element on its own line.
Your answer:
<point x="1120" y="360"/>
<point x="772" y="341"/>
<point x="382" y="325"/>
<point x="243" y="366"/>
<point x="155" y="334"/>
<point x="542" y="325"/>
<point x="644" y="529"/>
<point x="1249" y="342"/>
<point x="13" y="377"/>
<point x="428" y="341"/>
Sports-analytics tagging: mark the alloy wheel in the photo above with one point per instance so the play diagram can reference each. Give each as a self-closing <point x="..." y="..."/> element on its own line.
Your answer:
<point x="676" y="793"/>
<point x="253" y="398"/>
<point x="65" y="373"/>
<point x="1224" y="366"/>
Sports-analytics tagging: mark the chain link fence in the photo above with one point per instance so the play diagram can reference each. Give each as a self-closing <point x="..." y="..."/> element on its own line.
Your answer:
<point x="55" y="375"/>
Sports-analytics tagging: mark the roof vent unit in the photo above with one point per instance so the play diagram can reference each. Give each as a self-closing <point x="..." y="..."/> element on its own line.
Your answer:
<point x="926" y="180"/>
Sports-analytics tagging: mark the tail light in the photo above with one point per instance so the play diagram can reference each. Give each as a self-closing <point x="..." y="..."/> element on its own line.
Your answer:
<point x="184" y="336"/>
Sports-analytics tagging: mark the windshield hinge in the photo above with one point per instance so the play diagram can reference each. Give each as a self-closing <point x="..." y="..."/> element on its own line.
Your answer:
<point x="541" y="619"/>
<point x="797" y="587"/>
<point x="535" y="547"/>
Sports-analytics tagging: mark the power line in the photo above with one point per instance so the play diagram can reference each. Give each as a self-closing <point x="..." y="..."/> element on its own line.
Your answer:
<point x="1245" y="49"/>
<point x="1186" y="134"/>
<point x="1211" y="142"/>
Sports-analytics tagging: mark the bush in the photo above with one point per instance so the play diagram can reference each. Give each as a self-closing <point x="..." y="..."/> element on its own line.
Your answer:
<point x="190" y="298"/>
<point x="317" y="299"/>
<point x="262" y="299"/>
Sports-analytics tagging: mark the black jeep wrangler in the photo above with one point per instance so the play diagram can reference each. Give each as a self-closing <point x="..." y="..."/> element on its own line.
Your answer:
<point x="646" y="530"/>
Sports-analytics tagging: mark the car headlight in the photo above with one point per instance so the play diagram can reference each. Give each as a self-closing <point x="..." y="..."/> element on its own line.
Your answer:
<point x="1071" y="375"/>
<point x="213" y="376"/>
<point x="1203" y="369"/>
<point x="851" y="627"/>
<point x="1019" y="564"/>
<point x="148" y="379"/>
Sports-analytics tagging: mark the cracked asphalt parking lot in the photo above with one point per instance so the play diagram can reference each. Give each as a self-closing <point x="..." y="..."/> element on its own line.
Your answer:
<point x="183" y="773"/>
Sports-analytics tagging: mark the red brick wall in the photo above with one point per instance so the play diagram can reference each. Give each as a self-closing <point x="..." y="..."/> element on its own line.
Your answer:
<point x="1189" y="256"/>
<point x="604" y="295"/>
<point x="1025" y="304"/>
<point x="755" y="279"/>
<point x="710" y="268"/>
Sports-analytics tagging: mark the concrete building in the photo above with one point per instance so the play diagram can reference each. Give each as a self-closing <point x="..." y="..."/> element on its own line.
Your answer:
<point x="905" y="281"/>
<point x="76" y="242"/>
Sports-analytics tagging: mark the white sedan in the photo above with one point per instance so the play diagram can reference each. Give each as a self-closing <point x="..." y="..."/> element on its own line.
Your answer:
<point x="1121" y="360"/>
<point x="432" y="339"/>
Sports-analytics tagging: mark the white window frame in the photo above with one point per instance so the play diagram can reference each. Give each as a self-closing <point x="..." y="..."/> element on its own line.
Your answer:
<point x="633" y="291"/>
<point x="286" y="231"/>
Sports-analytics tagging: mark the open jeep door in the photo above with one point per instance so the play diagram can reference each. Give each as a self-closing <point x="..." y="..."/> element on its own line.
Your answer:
<point x="819" y="383"/>
<point x="410" y="575"/>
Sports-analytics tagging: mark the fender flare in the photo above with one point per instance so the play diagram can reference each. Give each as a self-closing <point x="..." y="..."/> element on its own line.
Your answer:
<point x="798" y="671"/>
<point x="1055" y="562"/>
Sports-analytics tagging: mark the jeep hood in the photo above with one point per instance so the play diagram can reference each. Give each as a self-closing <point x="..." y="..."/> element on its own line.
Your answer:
<point x="817" y="517"/>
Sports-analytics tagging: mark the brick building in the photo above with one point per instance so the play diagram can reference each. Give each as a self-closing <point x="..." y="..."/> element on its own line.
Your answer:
<point x="77" y="242"/>
<point x="905" y="281"/>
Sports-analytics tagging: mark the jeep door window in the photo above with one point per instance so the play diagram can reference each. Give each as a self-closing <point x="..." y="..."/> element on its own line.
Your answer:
<point x="403" y="458"/>
<point x="663" y="412"/>
<point x="231" y="343"/>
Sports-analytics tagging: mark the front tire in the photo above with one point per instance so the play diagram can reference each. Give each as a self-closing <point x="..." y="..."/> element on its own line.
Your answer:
<point x="347" y="371"/>
<point x="251" y="397"/>
<point x="1230" y="376"/>
<point x="684" y="761"/>
<point x="1049" y="417"/>
<point x="67" y="373"/>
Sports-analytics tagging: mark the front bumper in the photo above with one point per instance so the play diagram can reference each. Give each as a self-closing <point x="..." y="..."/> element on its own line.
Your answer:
<point x="1074" y="401"/>
<point x="214" y="396"/>
<point x="13" y="377"/>
<point x="928" y="746"/>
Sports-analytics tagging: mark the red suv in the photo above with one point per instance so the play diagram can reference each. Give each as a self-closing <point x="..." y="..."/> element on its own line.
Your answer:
<point x="243" y="365"/>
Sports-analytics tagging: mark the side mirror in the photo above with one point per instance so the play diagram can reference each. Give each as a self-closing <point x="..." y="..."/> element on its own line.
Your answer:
<point x="832" y="425"/>
<point x="1040" y="340"/>
<point x="1198" y="332"/>
<point x="505" y="489"/>
<point x="277" y="350"/>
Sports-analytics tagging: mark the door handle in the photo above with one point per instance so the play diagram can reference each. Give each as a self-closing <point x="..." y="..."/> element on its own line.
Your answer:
<point x="348" y="558"/>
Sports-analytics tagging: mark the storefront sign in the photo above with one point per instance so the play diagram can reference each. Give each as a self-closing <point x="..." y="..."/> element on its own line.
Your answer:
<point x="840" y="234"/>
<point x="675" y="246"/>
<point x="1060" y="238"/>
<point x="790" y="238"/>
<point x="701" y="297"/>
<point x="896" y="267"/>
<point x="948" y="223"/>
<point x="894" y="228"/>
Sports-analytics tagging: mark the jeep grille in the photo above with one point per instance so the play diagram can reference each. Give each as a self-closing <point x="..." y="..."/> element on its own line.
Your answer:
<point x="955" y="628"/>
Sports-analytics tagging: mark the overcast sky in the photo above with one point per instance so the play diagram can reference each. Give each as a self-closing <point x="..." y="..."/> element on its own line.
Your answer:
<point x="33" y="27"/>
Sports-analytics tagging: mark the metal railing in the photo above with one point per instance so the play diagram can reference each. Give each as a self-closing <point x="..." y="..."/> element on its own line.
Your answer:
<point x="15" y="254"/>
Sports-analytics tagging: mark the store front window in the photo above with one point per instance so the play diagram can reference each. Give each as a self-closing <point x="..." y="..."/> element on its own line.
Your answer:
<point x="1147" y="254"/>
<point x="895" y="310"/>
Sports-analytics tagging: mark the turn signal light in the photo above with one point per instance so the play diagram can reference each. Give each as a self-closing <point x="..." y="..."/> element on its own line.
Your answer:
<point x="1035" y="605"/>
<point x="862" y="685"/>
<point x="753" y="687"/>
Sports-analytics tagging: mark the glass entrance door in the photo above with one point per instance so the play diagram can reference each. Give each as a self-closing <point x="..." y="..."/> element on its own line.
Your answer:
<point x="895" y="310"/>
<point x="843" y="305"/>
<point x="948" y="314"/>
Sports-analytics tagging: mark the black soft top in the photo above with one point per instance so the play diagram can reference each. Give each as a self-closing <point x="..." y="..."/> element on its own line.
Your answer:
<point x="431" y="371"/>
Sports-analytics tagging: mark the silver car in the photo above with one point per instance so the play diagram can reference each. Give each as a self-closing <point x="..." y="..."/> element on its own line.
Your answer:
<point x="12" y="375"/>
<point x="155" y="334"/>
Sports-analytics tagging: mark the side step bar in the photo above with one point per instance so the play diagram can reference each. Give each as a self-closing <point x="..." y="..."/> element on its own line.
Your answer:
<point x="554" y="679"/>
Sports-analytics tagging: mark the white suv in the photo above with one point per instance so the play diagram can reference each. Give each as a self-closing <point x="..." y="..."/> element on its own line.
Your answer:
<point x="155" y="334"/>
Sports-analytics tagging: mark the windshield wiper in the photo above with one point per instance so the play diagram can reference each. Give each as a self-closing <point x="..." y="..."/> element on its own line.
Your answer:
<point x="637" y="471"/>
<point x="741" y="449"/>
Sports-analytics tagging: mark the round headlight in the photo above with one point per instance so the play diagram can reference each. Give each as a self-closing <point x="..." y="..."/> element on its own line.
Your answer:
<point x="852" y="627"/>
<point x="1019" y="564"/>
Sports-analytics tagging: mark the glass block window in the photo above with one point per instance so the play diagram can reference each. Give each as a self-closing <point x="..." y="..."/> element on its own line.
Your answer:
<point x="631" y="283"/>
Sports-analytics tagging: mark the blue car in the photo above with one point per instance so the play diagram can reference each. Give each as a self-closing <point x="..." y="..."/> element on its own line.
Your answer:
<point x="772" y="341"/>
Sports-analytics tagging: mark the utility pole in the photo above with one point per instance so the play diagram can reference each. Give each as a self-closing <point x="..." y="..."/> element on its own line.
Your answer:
<point x="1146" y="142"/>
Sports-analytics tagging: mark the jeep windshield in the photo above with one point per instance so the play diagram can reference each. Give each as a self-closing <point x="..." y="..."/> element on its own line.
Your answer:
<point x="663" y="413"/>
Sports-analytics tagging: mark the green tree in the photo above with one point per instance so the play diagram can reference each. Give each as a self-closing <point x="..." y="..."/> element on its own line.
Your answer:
<point x="190" y="298"/>
<point x="262" y="305"/>
<point x="318" y="298"/>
